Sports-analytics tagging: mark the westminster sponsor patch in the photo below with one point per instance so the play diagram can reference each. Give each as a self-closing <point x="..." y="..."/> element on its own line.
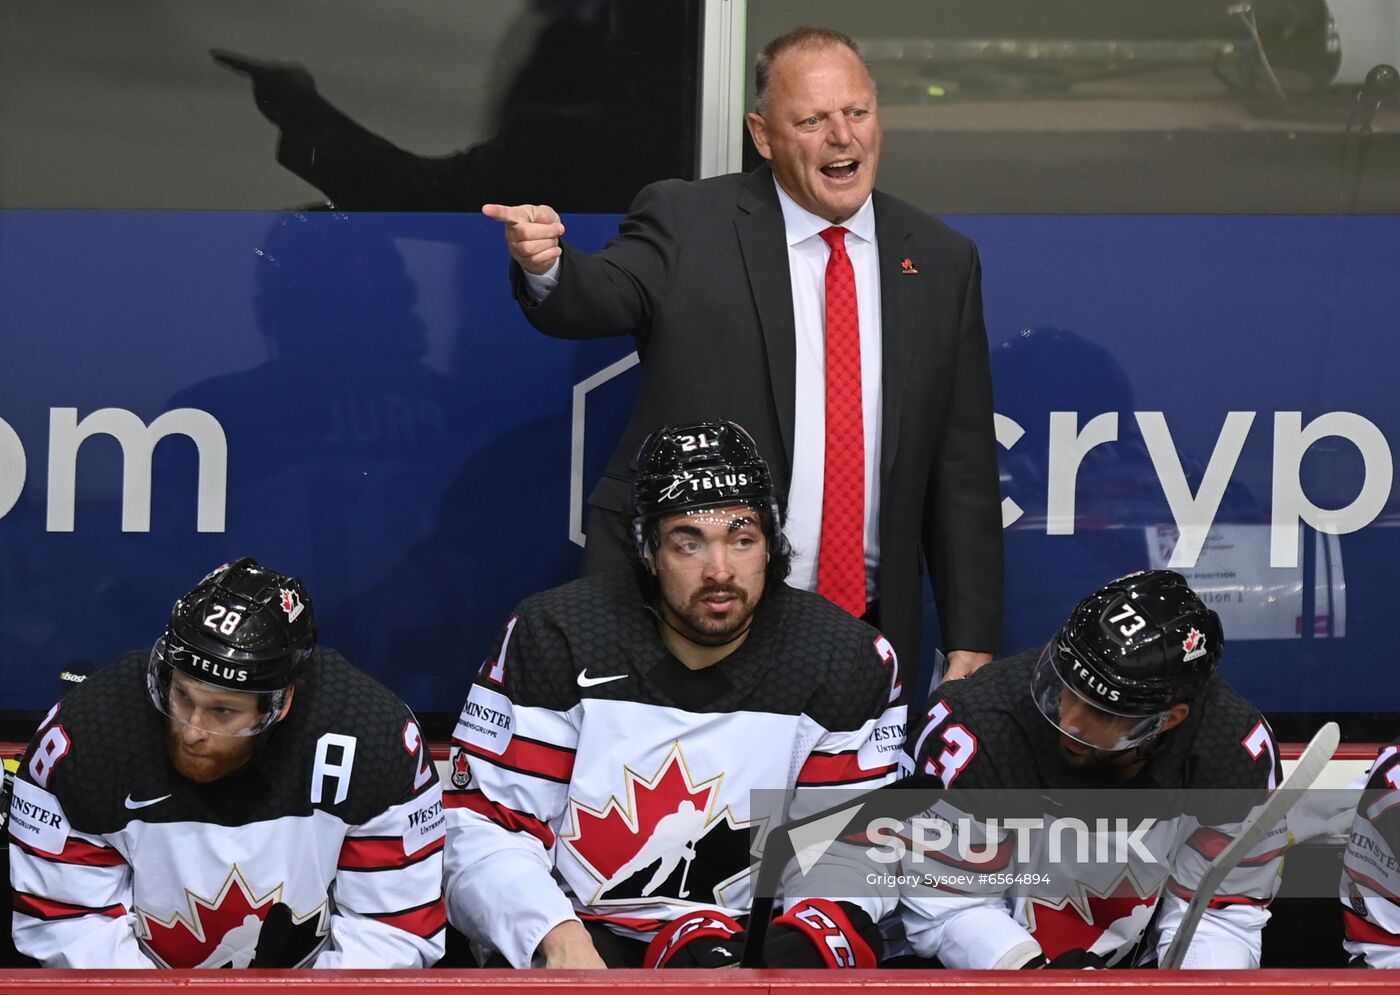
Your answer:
<point x="487" y="720"/>
<point x="885" y="743"/>
<point x="425" y="823"/>
<point x="36" y="818"/>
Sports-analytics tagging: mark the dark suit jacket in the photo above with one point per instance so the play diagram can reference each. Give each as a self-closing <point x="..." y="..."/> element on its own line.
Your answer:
<point x="699" y="276"/>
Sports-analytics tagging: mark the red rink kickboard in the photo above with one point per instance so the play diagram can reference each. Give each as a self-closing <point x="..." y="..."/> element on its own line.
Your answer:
<point x="1263" y="982"/>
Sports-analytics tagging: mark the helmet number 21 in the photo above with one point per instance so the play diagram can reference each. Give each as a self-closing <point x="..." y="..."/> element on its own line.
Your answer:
<point x="690" y="443"/>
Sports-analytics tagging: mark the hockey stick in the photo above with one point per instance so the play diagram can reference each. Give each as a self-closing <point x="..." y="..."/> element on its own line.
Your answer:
<point x="1275" y="807"/>
<point x="900" y="800"/>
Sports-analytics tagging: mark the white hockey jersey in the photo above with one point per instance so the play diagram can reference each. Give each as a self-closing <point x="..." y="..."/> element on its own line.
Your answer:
<point x="595" y="777"/>
<point x="986" y="734"/>
<point x="118" y="861"/>
<point x="1371" y="867"/>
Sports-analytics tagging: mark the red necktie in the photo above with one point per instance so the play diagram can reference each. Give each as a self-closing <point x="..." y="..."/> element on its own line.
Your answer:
<point x="841" y="565"/>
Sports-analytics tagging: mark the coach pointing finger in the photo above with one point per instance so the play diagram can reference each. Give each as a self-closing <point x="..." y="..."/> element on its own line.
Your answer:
<point x="532" y="234"/>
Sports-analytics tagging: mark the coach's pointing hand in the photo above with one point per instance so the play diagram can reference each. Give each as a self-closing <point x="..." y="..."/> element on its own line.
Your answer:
<point x="532" y="234"/>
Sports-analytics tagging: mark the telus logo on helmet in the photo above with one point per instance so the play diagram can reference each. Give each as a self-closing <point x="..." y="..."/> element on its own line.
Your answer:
<point x="1094" y="684"/>
<point x="708" y="482"/>
<point x="215" y="668"/>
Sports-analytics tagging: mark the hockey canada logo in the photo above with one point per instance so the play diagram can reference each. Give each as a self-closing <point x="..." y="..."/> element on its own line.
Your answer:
<point x="1079" y="922"/>
<point x="665" y="839"/>
<point x="223" y="931"/>
<point x="461" y="768"/>
<point x="1194" y="644"/>
<point x="291" y="604"/>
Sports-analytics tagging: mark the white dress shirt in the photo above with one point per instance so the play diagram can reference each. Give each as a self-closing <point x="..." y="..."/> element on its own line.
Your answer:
<point x="807" y="256"/>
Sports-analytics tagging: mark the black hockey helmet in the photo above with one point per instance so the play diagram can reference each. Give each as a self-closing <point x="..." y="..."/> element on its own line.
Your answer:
<point x="1132" y="649"/>
<point x="707" y="464"/>
<point x="243" y="628"/>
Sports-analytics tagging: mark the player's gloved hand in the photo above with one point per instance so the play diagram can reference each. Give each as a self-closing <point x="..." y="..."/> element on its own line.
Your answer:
<point x="1072" y="960"/>
<point x="283" y="91"/>
<point x="817" y="932"/>
<point x="704" y="938"/>
<point x="272" y="939"/>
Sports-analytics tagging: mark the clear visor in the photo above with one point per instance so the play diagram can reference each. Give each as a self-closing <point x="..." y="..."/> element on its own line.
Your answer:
<point x="1087" y="722"/>
<point x="206" y="706"/>
<point x="738" y="527"/>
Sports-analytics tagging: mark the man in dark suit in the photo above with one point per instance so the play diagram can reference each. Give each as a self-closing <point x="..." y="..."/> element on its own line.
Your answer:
<point x="727" y="286"/>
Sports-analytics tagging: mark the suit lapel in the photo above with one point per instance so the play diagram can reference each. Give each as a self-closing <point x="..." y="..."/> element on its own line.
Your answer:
<point x="898" y="302"/>
<point x="763" y="244"/>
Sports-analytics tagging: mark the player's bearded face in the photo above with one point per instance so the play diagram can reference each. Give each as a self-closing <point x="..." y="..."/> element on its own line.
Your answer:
<point x="710" y="568"/>
<point x="198" y="753"/>
<point x="1091" y="725"/>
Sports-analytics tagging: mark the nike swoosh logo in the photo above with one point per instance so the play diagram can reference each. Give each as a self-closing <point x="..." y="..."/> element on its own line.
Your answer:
<point x="584" y="681"/>
<point x="130" y="803"/>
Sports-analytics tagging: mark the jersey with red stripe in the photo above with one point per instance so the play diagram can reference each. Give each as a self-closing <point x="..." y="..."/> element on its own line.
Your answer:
<point x="593" y="776"/>
<point x="1371" y="867"/>
<point x="119" y="861"/>
<point x="986" y="732"/>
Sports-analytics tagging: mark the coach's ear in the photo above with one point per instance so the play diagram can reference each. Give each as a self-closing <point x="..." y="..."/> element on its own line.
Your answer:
<point x="1176" y="715"/>
<point x="758" y="131"/>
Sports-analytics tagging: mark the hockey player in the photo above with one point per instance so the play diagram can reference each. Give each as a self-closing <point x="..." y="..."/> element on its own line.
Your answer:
<point x="1124" y="696"/>
<point x="1371" y="868"/>
<point x="170" y="802"/>
<point x="599" y="812"/>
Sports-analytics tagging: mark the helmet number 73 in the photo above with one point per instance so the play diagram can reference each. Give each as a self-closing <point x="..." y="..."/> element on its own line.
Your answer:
<point x="1128" y="628"/>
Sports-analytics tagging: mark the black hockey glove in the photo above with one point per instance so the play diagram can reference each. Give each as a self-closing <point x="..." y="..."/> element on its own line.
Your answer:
<point x="817" y="932"/>
<point x="1071" y="960"/>
<point x="704" y="938"/>
<point x="272" y="938"/>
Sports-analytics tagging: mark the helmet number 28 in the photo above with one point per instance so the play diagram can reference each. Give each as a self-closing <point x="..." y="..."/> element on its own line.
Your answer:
<point x="1125" y="612"/>
<point x="222" y="620"/>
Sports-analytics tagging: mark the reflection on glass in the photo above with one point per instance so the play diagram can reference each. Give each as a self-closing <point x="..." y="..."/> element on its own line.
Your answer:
<point x="1090" y="106"/>
<point x="584" y="123"/>
<point x="418" y="106"/>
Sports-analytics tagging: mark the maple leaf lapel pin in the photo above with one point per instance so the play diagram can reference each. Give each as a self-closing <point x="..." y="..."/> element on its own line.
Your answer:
<point x="907" y="268"/>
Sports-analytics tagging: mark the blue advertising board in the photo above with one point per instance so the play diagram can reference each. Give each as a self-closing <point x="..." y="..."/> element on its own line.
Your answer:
<point x="356" y="398"/>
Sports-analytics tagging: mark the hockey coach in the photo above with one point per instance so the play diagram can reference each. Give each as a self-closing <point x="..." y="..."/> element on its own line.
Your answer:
<point x="599" y="811"/>
<point x="1125" y="696"/>
<point x="233" y="797"/>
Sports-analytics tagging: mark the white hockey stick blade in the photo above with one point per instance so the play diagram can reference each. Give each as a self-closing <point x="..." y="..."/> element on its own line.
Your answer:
<point x="1311" y="764"/>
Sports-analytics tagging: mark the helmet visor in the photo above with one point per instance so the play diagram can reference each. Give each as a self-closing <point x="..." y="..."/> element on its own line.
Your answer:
<point x="1086" y="722"/>
<point x="206" y="706"/>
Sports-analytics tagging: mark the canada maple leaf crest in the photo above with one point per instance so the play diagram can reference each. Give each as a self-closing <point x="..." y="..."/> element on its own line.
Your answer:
<point x="1194" y="644"/>
<point x="217" y="931"/>
<point x="461" y="768"/>
<point x="1111" y="918"/>
<point x="291" y="604"/>
<point x="664" y="838"/>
